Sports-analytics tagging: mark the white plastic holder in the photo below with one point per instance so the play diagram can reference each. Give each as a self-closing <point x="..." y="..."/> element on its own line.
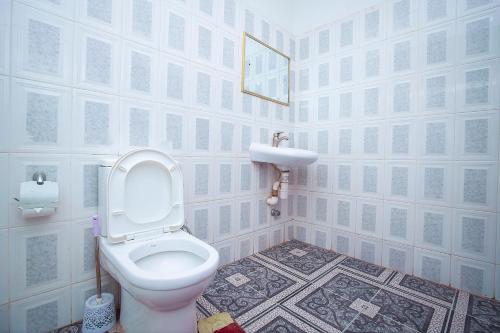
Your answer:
<point x="99" y="317"/>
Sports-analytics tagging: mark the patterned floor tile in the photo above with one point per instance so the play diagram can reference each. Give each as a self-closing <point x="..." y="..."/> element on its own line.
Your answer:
<point x="442" y="294"/>
<point x="475" y="314"/>
<point x="323" y="308"/>
<point x="364" y="307"/>
<point x="235" y="300"/>
<point x="462" y="322"/>
<point x="258" y="275"/>
<point x="279" y="320"/>
<point x="304" y="260"/>
<point x="247" y="287"/>
<point x="348" y="285"/>
<point x="242" y="303"/>
<point x="484" y="309"/>
<point x="367" y="269"/>
<point x="412" y="312"/>
<point x="377" y="324"/>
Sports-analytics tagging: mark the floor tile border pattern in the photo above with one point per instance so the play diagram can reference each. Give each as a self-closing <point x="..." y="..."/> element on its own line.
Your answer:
<point x="395" y="283"/>
<point x="307" y="277"/>
<point x="440" y="312"/>
<point x="274" y="313"/>
<point x="268" y="303"/>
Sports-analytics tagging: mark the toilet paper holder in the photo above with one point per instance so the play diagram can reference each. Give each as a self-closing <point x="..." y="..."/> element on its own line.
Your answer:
<point x="38" y="177"/>
<point x="38" y="197"/>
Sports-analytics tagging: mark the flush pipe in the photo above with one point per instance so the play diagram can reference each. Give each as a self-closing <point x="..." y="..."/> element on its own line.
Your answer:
<point x="280" y="187"/>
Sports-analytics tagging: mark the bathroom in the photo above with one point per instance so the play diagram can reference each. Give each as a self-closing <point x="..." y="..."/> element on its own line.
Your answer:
<point x="385" y="217"/>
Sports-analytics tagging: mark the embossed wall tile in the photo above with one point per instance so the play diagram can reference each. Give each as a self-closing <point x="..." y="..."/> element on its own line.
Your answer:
<point x="41" y="42"/>
<point x="434" y="266"/>
<point x="98" y="61"/>
<point x="230" y="13"/>
<point x="343" y="242"/>
<point x="304" y="48"/>
<point x="201" y="223"/>
<point x="176" y="35"/>
<point x="401" y="11"/>
<point x="346" y="33"/>
<point x="44" y="48"/>
<point x="372" y="22"/>
<point x="249" y="21"/>
<point x="344" y="182"/>
<point x="473" y="276"/>
<point x="175" y="81"/>
<point x="433" y="228"/>
<point x="344" y="139"/>
<point x="402" y="56"/>
<point x="204" y="45"/>
<point x="476" y="89"/>
<point x="140" y="72"/>
<point x="174" y="131"/>
<point x="201" y="179"/>
<point x="100" y="10"/>
<point x="346" y="69"/>
<point x="399" y="222"/>
<point x="228" y="52"/>
<point x="476" y="84"/>
<point x="143" y="17"/>
<point x="436" y="47"/>
<point x="401" y="101"/>
<point x="372" y="63"/>
<point x="371" y="101"/>
<point x="474" y="136"/>
<point x="203" y="89"/>
<point x="369" y="217"/>
<point x="323" y="41"/>
<point x="435" y="93"/>
<point x="323" y="75"/>
<point x="344" y="209"/>
<point x="398" y="257"/>
<point x="474" y="236"/>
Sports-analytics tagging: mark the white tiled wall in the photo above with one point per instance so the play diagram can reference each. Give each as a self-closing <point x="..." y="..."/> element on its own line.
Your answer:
<point x="82" y="81"/>
<point x="406" y="122"/>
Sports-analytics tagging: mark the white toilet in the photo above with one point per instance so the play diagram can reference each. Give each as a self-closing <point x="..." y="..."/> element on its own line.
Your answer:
<point x="161" y="268"/>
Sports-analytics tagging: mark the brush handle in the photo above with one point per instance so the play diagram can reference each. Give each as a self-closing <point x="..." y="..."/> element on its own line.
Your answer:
<point x="97" y="269"/>
<point x="96" y="228"/>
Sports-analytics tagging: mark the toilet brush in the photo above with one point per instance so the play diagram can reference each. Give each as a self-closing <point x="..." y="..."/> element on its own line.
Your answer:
<point x="99" y="314"/>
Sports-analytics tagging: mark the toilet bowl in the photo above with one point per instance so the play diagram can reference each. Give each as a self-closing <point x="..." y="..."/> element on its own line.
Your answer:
<point x="161" y="268"/>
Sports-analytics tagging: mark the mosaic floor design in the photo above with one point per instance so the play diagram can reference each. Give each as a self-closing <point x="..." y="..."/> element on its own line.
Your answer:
<point x="295" y="287"/>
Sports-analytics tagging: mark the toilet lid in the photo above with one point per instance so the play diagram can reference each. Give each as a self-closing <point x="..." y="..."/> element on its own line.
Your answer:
<point x="145" y="195"/>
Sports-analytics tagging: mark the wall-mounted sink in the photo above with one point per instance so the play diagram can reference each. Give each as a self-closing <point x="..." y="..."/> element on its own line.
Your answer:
<point x="281" y="156"/>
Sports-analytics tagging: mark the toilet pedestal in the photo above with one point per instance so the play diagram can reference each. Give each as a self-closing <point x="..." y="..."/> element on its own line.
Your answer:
<point x="135" y="317"/>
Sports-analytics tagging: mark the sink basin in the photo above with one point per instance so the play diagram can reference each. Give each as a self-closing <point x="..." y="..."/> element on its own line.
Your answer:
<point x="281" y="156"/>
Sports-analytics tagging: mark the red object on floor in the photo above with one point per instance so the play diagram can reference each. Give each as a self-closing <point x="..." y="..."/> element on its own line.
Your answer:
<point x="231" y="328"/>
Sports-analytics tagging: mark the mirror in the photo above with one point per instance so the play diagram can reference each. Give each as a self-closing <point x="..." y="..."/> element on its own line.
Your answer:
<point x="266" y="71"/>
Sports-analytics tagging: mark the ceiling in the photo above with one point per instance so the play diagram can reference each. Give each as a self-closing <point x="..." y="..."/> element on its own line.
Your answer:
<point x="299" y="16"/>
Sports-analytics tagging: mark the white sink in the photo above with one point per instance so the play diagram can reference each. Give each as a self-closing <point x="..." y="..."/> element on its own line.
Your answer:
<point x="281" y="156"/>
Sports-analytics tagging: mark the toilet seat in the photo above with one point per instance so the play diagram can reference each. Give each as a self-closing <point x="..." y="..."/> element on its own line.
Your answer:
<point x="127" y="259"/>
<point x="145" y="196"/>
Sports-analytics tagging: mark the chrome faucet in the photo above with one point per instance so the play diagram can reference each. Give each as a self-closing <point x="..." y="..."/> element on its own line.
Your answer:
<point x="277" y="138"/>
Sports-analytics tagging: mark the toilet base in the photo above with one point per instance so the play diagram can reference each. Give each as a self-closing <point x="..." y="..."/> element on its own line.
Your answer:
<point x="137" y="317"/>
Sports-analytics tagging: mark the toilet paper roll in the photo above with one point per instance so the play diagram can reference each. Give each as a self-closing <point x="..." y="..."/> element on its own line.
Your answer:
<point x="37" y="212"/>
<point x="37" y="200"/>
<point x="32" y="195"/>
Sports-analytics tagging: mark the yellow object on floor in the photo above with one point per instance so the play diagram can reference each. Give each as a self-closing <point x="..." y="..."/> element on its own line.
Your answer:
<point x="215" y="322"/>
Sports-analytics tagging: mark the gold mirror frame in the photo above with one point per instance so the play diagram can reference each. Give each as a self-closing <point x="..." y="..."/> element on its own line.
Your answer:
<point x="243" y="90"/>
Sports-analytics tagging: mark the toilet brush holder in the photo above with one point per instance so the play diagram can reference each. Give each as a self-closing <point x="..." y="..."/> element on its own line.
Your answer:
<point x="99" y="314"/>
<point x="99" y="317"/>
